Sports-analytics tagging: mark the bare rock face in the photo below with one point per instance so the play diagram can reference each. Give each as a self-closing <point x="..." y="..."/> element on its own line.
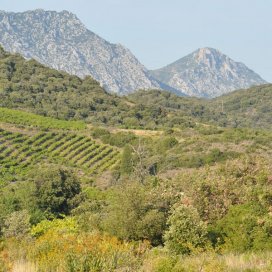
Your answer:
<point x="59" y="40"/>
<point x="207" y="73"/>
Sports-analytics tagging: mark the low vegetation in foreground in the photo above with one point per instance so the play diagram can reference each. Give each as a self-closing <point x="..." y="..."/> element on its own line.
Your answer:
<point x="97" y="199"/>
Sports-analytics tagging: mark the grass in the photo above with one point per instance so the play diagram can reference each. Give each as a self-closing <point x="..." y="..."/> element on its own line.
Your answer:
<point x="209" y="262"/>
<point x="24" y="266"/>
<point x="23" y="118"/>
<point x="203" y="262"/>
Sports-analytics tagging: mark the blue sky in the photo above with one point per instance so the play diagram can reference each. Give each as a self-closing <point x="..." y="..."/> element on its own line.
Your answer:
<point x="159" y="32"/>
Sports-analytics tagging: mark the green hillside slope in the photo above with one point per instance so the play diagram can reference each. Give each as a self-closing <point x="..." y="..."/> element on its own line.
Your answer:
<point x="29" y="119"/>
<point x="32" y="87"/>
<point x="244" y="108"/>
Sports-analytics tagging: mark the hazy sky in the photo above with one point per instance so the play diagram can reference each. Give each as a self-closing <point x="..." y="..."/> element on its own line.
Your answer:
<point x="159" y="32"/>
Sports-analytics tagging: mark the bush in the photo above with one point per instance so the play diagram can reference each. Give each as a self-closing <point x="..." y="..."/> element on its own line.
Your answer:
<point x="67" y="225"/>
<point x="99" y="132"/>
<point x="186" y="231"/>
<point x="17" y="224"/>
<point x="126" y="166"/>
<point x="167" y="143"/>
<point x="120" y="139"/>
<point x="83" y="252"/>
<point x="246" y="227"/>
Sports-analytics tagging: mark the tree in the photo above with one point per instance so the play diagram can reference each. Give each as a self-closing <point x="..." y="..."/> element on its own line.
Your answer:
<point x="57" y="191"/>
<point x="132" y="215"/>
<point x="186" y="230"/>
<point x="127" y="160"/>
<point x="11" y="68"/>
<point x="142" y="166"/>
<point x="17" y="224"/>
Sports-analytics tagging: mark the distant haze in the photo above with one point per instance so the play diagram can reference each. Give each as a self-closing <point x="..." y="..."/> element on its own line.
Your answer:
<point x="159" y="32"/>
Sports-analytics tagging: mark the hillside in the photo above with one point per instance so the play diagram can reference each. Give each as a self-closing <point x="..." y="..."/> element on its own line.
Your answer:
<point x="242" y="108"/>
<point x="245" y="108"/>
<point x="33" y="87"/>
<point x="61" y="41"/>
<point x="207" y="73"/>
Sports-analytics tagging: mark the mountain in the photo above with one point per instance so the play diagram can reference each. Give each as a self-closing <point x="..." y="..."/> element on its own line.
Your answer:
<point x="60" y="40"/>
<point x="207" y="73"/>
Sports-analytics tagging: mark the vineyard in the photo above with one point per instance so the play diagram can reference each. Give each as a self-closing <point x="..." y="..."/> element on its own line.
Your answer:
<point x="19" y="151"/>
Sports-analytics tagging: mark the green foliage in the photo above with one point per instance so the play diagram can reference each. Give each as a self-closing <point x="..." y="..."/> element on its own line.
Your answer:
<point x="100" y="132"/>
<point x="186" y="230"/>
<point x="57" y="191"/>
<point x="29" y="119"/>
<point x="167" y="143"/>
<point x="126" y="165"/>
<point x="17" y="224"/>
<point x="132" y="215"/>
<point x="245" y="108"/>
<point x="119" y="139"/>
<point x="15" y="198"/>
<point x="213" y="190"/>
<point x="246" y="227"/>
<point x="242" y="108"/>
<point x="30" y="86"/>
<point x="61" y="226"/>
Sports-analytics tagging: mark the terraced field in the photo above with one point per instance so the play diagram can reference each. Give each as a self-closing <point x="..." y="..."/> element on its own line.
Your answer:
<point x="20" y="151"/>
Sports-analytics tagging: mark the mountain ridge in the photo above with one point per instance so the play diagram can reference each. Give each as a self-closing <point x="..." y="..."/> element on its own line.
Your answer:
<point x="61" y="41"/>
<point x="207" y="72"/>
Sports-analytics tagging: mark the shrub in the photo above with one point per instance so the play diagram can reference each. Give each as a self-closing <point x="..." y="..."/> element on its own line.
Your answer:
<point x="126" y="166"/>
<point x="246" y="227"/>
<point x="17" y="224"/>
<point x="83" y="252"/>
<point x="186" y="231"/>
<point x="67" y="225"/>
<point x="99" y="132"/>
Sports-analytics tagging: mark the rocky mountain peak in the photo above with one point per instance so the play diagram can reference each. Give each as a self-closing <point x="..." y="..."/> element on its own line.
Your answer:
<point x="208" y="56"/>
<point x="60" y="40"/>
<point x="207" y="73"/>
